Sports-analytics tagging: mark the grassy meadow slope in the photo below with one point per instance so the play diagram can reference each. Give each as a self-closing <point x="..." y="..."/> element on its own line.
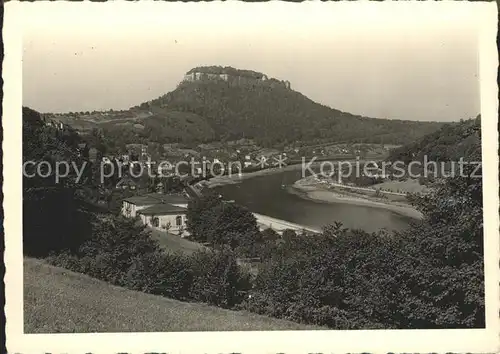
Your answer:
<point x="58" y="300"/>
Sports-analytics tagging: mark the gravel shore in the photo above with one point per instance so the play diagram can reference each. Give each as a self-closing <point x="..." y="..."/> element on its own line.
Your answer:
<point x="307" y="189"/>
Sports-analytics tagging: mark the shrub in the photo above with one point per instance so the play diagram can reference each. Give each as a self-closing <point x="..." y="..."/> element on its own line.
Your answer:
<point x="115" y="243"/>
<point x="212" y="220"/>
<point x="217" y="279"/>
<point x="163" y="274"/>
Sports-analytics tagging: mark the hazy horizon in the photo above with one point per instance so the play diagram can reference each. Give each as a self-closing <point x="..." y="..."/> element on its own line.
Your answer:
<point x="412" y="61"/>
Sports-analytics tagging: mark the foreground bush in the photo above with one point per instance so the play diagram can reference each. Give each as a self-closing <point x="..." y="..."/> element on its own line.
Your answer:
<point x="162" y="274"/>
<point x="109" y="252"/>
<point x="122" y="253"/>
<point x="217" y="279"/>
<point x="337" y="283"/>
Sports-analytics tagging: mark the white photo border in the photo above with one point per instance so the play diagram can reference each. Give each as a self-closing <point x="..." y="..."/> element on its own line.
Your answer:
<point x="440" y="341"/>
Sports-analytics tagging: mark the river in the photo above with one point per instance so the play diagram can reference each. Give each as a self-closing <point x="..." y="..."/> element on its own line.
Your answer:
<point x="265" y="195"/>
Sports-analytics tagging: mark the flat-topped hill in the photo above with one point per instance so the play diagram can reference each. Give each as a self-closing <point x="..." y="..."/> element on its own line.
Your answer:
<point x="248" y="104"/>
<point x="216" y="103"/>
<point x="234" y="77"/>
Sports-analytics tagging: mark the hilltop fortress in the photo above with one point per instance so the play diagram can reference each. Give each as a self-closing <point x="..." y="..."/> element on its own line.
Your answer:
<point x="233" y="76"/>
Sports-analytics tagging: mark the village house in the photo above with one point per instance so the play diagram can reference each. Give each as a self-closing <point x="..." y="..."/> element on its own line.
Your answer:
<point x="144" y="153"/>
<point x="247" y="162"/>
<point x="83" y="150"/>
<point x="134" y="164"/>
<point x="165" y="169"/>
<point x="125" y="159"/>
<point x="159" y="187"/>
<point x="93" y="153"/>
<point x="149" y="164"/>
<point x="54" y="124"/>
<point x="126" y="183"/>
<point x="198" y="171"/>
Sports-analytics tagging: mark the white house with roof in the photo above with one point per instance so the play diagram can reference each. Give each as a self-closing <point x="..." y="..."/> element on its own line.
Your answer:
<point x="166" y="217"/>
<point x="126" y="182"/>
<point x="165" y="212"/>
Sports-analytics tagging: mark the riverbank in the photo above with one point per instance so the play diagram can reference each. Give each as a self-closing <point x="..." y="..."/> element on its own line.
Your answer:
<point x="237" y="178"/>
<point x="309" y="188"/>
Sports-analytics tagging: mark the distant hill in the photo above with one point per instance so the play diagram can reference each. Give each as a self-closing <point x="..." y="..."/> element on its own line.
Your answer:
<point x="274" y="114"/>
<point x="451" y="142"/>
<point x="223" y="103"/>
<point x="57" y="300"/>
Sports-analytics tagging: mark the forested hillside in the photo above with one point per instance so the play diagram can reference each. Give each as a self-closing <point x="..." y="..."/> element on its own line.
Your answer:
<point x="451" y="142"/>
<point x="163" y="126"/>
<point x="274" y="115"/>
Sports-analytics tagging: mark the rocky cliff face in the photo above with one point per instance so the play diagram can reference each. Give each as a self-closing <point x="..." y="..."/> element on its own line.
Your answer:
<point x="234" y="77"/>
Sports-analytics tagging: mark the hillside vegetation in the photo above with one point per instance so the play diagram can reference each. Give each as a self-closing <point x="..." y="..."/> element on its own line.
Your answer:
<point x="162" y="126"/>
<point x="451" y="142"/>
<point x="57" y="300"/>
<point x="275" y="115"/>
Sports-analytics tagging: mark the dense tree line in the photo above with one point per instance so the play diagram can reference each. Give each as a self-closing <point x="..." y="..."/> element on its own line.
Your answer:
<point x="211" y="220"/>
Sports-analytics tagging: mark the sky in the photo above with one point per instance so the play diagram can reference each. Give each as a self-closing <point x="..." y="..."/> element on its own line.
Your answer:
<point x="415" y="61"/>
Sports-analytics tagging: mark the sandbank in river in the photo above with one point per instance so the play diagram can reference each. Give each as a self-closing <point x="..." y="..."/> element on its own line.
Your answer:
<point x="307" y="189"/>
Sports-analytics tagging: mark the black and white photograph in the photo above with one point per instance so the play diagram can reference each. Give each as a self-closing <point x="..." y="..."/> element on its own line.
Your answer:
<point x="236" y="177"/>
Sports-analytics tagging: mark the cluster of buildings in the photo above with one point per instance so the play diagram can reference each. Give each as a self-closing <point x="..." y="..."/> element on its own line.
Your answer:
<point x="54" y="124"/>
